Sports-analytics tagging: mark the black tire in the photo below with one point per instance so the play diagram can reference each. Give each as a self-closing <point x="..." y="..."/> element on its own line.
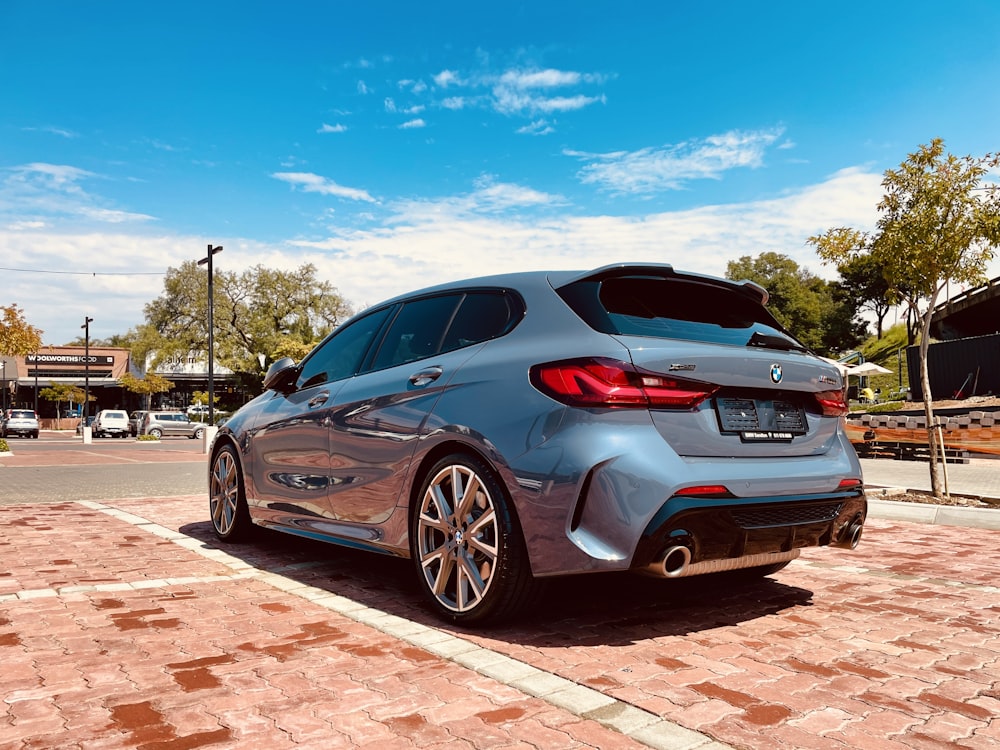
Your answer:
<point x="199" y="433"/>
<point x="34" y="435"/>
<point x="466" y="544"/>
<point x="156" y="432"/>
<point x="227" y="501"/>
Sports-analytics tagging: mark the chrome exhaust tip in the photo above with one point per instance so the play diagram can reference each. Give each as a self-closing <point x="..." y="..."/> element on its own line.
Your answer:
<point x="673" y="563"/>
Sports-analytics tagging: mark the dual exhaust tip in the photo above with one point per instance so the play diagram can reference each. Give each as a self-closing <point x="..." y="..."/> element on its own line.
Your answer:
<point x="675" y="562"/>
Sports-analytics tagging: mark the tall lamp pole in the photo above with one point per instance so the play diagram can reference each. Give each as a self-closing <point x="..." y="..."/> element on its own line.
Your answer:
<point x="86" y="367"/>
<point x="211" y="332"/>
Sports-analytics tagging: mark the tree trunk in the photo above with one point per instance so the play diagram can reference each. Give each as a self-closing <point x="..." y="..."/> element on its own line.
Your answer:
<point x="937" y="450"/>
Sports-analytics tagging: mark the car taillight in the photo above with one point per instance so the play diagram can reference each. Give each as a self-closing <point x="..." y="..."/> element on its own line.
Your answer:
<point x="598" y="381"/>
<point x="705" y="490"/>
<point x="833" y="403"/>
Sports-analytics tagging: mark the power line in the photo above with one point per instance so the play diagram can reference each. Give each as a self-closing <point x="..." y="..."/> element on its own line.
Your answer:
<point x="84" y="273"/>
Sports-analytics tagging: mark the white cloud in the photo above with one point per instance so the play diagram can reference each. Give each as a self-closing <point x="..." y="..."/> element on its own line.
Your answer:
<point x="390" y="105"/>
<point x="32" y="192"/>
<point x="314" y="183"/>
<point x="446" y="78"/>
<point x="497" y="227"/>
<point x="338" y="128"/>
<point x="454" y="102"/>
<point x="669" y="167"/>
<point x="538" y="127"/>
<point x="363" y="88"/>
<point x="416" y="123"/>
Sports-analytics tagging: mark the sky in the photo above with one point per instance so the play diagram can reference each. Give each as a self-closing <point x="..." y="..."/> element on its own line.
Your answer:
<point x="397" y="145"/>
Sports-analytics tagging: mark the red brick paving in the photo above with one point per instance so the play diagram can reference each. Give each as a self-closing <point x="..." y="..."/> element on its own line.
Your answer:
<point x="894" y="645"/>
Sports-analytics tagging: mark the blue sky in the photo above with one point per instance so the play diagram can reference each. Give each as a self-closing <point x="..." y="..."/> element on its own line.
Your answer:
<point x="396" y="145"/>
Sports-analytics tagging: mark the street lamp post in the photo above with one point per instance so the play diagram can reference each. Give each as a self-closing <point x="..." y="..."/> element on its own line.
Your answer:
<point x="211" y="332"/>
<point x="86" y="367"/>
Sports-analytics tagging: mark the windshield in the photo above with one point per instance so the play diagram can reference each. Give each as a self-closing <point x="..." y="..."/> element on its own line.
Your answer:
<point x="22" y="415"/>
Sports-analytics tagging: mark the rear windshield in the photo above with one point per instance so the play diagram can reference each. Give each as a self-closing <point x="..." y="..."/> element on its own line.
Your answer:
<point x="22" y="414"/>
<point x="675" y="308"/>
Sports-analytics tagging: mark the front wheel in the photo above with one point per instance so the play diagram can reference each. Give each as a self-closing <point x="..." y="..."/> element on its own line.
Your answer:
<point x="227" y="502"/>
<point x="467" y="545"/>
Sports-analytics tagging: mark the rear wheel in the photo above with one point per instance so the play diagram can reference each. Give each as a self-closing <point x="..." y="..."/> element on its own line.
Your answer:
<point x="227" y="502"/>
<point x="199" y="433"/>
<point x="156" y="432"/>
<point x="466" y="544"/>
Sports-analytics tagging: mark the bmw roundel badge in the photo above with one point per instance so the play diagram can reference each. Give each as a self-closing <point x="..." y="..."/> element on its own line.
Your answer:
<point x="775" y="373"/>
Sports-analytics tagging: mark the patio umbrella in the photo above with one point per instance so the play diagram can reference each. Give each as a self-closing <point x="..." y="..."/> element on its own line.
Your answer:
<point x="868" y="368"/>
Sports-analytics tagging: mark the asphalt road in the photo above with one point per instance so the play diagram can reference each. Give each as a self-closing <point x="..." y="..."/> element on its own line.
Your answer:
<point x="61" y="468"/>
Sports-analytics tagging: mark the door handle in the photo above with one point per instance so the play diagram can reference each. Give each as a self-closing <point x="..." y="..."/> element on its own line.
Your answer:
<point x="428" y="375"/>
<point x="319" y="399"/>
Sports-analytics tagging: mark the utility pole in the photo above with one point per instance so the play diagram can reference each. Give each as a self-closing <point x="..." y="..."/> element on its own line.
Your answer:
<point x="86" y="367"/>
<point x="211" y="332"/>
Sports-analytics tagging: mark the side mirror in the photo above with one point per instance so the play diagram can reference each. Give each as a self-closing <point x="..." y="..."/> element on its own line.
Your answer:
<point x="280" y="375"/>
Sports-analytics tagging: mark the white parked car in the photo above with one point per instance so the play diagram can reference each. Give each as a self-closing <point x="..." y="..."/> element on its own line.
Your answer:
<point x="112" y="422"/>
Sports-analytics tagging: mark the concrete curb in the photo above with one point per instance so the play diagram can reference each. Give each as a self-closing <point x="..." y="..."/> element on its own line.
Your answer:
<point x="947" y="515"/>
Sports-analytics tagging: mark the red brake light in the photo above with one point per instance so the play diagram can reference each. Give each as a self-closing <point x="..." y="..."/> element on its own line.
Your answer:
<point x="704" y="490"/>
<point x="833" y="403"/>
<point x="598" y="381"/>
<point x="846" y="484"/>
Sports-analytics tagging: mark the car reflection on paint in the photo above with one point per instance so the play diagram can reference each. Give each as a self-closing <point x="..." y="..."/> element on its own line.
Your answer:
<point x="510" y="429"/>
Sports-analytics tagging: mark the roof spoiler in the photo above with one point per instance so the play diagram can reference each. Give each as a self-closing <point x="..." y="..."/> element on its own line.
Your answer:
<point x="665" y="270"/>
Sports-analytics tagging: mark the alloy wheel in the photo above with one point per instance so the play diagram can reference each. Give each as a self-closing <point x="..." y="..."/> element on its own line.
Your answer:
<point x="458" y="538"/>
<point x="224" y="493"/>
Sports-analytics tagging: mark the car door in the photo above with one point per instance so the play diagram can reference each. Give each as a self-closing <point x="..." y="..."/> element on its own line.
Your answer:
<point x="290" y="445"/>
<point x="379" y="415"/>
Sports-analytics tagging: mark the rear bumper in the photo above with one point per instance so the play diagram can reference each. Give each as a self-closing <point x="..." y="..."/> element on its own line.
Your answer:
<point x="722" y="529"/>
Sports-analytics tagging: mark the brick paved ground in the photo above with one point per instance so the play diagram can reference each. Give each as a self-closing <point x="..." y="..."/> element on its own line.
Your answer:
<point x="115" y="632"/>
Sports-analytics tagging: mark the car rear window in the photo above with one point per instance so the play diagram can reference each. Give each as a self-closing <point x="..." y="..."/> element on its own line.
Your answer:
<point x="674" y="308"/>
<point x="16" y="414"/>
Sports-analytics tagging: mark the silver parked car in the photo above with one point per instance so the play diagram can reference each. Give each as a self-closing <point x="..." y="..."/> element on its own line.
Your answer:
<point x="520" y="427"/>
<point x="21" y="422"/>
<point x="170" y="423"/>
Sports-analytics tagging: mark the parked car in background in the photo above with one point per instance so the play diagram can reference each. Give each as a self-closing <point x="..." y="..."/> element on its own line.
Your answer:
<point x="90" y="423"/>
<point x="526" y="426"/>
<point x="169" y="423"/>
<point x="135" y="422"/>
<point x="20" y="422"/>
<point x="112" y="422"/>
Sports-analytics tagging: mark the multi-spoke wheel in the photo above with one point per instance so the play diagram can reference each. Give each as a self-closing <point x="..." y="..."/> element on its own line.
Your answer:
<point x="227" y="501"/>
<point x="466" y="544"/>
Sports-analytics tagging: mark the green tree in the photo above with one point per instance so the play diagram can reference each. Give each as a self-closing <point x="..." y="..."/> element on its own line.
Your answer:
<point x="937" y="224"/>
<point x="146" y="386"/>
<point x="261" y="311"/>
<point x="863" y="276"/>
<point x="817" y="312"/>
<point x="17" y="337"/>
<point x="59" y="392"/>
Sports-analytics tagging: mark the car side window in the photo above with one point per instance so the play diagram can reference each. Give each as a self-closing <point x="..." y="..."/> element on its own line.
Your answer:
<point x="480" y="317"/>
<point x="416" y="331"/>
<point x="340" y="355"/>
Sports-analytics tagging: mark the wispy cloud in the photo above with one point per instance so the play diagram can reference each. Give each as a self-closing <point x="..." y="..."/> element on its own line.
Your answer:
<point x="314" y="183"/>
<point x="670" y="167"/>
<point x="30" y="192"/>
<point x="338" y="128"/>
<point x="62" y="132"/>
<point x="415" y="123"/>
<point x="538" y="127"/>
<point x="521" y="92"/>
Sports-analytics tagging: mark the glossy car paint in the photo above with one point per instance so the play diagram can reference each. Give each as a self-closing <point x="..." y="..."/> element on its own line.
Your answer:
<point x="343" y="461"/>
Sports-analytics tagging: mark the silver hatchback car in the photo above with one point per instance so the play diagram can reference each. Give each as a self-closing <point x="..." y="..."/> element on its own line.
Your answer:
<point x="508" y="429"/>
